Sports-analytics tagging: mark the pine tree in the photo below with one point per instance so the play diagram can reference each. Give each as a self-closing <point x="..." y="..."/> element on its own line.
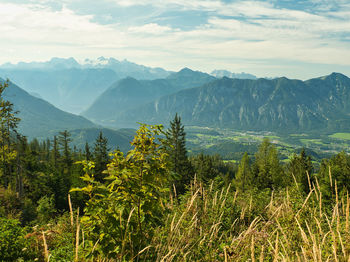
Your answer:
<point x="244" y="177"/>
<point x="100" y="156"/>
<point x="87" y="152"/>
<point x="181" y="168"/>
<point x="8" y="126"/>
<point x="55" y="152"/>
<point x="300" y="166"/>
<point x="64" y="140"/>
<point x="267" y="168"/>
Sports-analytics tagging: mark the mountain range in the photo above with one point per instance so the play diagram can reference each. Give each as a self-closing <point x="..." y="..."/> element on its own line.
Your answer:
<point x="130" y="93"/>
<point x="72" y="86"/>
<point x="280" y="105"/>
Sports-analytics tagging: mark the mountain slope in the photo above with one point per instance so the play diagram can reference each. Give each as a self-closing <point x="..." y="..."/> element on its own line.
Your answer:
<point x="72" y="86"/>
<point x="130" y="93"/>
<point x="273" y="105"/>
<point x="38" y="117"/>
<point x="69" y="89"/>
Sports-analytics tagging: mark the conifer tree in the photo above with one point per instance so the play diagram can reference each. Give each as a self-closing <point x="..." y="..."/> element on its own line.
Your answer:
<point x="300" y="166"/>
<point x="180" y="165"/>
<point x="8" y="126"/>
<point x="55" y="152"/>
<point x="64" y="140"/>
<point x="47" y="149"/>
<point x="244" y="177"/>
<point x="100" y="155"/>
<point x="267" y="168"/>
<point x="87" y="152"/>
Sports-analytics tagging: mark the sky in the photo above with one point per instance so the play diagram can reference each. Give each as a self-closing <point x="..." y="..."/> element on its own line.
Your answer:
<point x="293" y="38"/>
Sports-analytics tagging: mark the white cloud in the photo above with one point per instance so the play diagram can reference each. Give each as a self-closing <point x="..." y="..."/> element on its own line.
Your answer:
<point x="185" y="4"/>
<point x="37" y="32"/>
<point x="151" y="28"/>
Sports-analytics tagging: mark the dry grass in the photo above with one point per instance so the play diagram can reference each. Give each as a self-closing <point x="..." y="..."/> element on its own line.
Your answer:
<point x="224" y="225"/>
<point x="218" y="226"/>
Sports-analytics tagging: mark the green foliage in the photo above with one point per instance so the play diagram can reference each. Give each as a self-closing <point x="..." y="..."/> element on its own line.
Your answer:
<point x="335" y="174"/>
<point x="266" y="168"/>
<point x="63" y="142"/>
<point x="300" y="168"/>
<point x="100" y="156"/>
<point x="208" y="168"/>
<point x="121" y="214"/>
<point x="182" y="170"/>
<point x="13" y="245"/>
<point x="8" y="125"/>
<point x="244" y="178"/>
<point x="45" y="209"/>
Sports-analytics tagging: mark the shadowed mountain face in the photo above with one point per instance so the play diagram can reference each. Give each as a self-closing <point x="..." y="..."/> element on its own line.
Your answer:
<point x="38" y="117"/>
<point x="280" y="104"/>
<point x="130" y="93"/>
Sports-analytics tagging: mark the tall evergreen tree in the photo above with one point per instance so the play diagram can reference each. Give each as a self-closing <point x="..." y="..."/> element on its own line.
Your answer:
<point x="55" y="152"/>
<point x="64" y="140"/>
<point x="8" y="126"/>
<point x="267" y="168"/>
<point x="87" y="152"/>
<point x="181" y="167"/>
<point x="300" y="166"/>
<point x="100" y="156"/>
<point x="244" y="177"/>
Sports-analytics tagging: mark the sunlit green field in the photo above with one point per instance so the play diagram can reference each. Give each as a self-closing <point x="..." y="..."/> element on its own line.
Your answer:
<point x="344" y="136"/>
<point x="226" y="141"/>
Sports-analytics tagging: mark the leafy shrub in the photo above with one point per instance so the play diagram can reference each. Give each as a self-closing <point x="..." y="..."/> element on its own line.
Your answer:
<point x="14" y="246"/>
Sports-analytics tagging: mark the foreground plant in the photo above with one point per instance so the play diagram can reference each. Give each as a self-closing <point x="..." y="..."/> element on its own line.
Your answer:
<point x="120" y="215"/>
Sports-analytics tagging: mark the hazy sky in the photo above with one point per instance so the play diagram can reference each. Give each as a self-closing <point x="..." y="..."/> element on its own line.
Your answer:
<point x="294" y="38"/>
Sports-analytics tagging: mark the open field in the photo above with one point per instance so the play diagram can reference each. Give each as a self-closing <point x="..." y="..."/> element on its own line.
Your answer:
<point x="342" y="136"/>
<point x="231" y="143"/>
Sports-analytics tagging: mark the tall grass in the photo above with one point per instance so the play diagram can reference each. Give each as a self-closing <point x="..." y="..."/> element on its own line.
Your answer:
<point x="210" y="224"/>
<point x="222" y="225"/>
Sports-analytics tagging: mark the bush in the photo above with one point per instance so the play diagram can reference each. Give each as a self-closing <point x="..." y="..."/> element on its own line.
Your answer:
<point x="13" y="245"/>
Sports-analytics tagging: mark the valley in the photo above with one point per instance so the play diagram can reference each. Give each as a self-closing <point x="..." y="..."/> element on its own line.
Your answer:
<point x="231" y="144"/>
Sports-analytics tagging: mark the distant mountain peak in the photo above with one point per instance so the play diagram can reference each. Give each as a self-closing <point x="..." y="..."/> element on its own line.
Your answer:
<point x="334" y="76"/>
<point x="102" y="58"/>
<point x="187" y="72"/>
<point x="226" y="73"/>
<point x="185" y="69"/>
